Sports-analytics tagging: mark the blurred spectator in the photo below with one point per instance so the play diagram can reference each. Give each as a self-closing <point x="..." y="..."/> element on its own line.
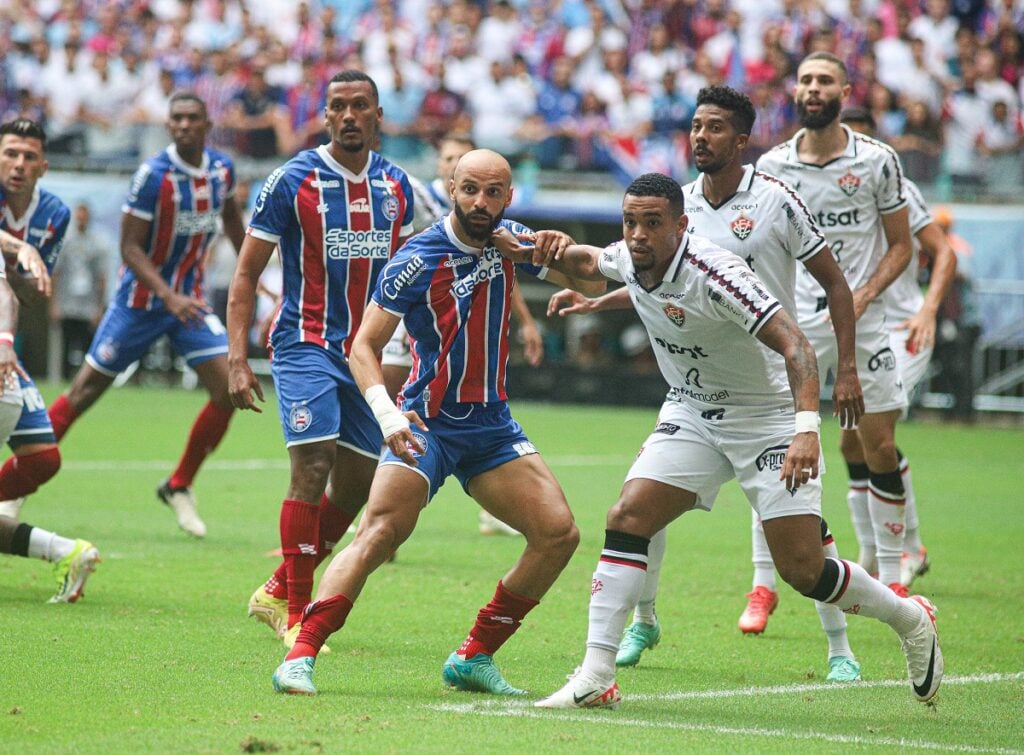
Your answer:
<point x="557" y="105"/>
<point x="105" y="102"/>
<point x="893" y="53"/>
<point x="657" y="59"/>
<point x="462" y="68"/>
<point x="258" y="115"/>
<point x="992" y="88"/>
<point x="585" y="345"/>
<point x="441" y="112"/>
<point x="1000" y="142"/>
<point x="305" y="101"/>
<point x="886" y="112"/>
<point x="401" y="97"/>
<point x="150" y="115"/>
<point x="542" y="39"/>
<point x="937" y="31"/>
<point x="498" y="32"/>
<point x="920" y="145"/>
<point x="591" y="128"/>
<point x="636" y="348"/>
<point x="80" y="288"/>
<point x="964" y="115"/>
<point x="218" y="84"/>
<point x="919" y="82"/>
<point x="774" y="121"/>
<point x="500" y="106"/>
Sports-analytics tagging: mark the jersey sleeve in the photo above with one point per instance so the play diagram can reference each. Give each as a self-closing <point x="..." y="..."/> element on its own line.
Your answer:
<point x="537" y="271"/>
<point x="735" y="293"/>
<point x="920" y="217"/>
<point x="403" y="281"/>
<point x="273" y="210"/>
<point x="409" y="226"/>
<point x="50" y="249"/>
<point x="890" y="196"/>
<point x="143" y="193"/>
<point x="610" y="262"/>
<point x="230" y="178"/>
<point x="801" y="237"/>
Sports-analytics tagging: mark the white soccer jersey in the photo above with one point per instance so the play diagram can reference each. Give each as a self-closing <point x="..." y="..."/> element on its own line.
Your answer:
<point x="846" y="198"/>
<point x="702" y="320"/>
<point x="765" y="223"/>
<point x="903" y="298"/>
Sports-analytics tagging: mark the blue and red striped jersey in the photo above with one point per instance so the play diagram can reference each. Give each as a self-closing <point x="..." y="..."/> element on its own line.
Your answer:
<point x="335" y="231"/>
<point x="455" y="301"/>
<point x="182" y="204"/>
<point x="43" y="225"/>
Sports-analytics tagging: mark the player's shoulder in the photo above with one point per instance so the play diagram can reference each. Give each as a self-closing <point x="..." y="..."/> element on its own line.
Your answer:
<point x="51" y="204"/>
<point x="219" y="159"/>
<point x="706" y="259"/>
<point x="380" y="164"/>
<point x="777" y="154"/>
<point x="869" y="147"/>
<point x="431" y="243"/>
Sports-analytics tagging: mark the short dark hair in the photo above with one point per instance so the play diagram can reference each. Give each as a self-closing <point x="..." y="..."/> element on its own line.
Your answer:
<point x="354" y="74"/>
<point x="739" y="106"/>
<point x="859" y="115"/>
<point x="659" y="185"/>
<point x="457" y="137"/>
<point x="830" y="58"/>
<point x="186" y="96"/>
<point x="26" y="128"/>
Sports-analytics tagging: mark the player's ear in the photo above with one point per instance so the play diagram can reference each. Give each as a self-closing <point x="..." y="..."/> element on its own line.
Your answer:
<point x="683" y="223"/>
<point x="508" y="197"/>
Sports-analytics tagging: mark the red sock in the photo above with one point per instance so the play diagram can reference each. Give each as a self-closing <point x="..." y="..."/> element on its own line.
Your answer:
<point x="206" y="434"/>
<point x="496" y="622"/>
<point x="300" y="522"/>
<point x="22" y="475"/>
<point x="320" y="621"/>
<point x="333" y="524"/>
<point x="62" y="415"/>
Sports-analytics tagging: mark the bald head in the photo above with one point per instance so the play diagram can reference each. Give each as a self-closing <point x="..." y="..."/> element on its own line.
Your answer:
<point x="481" y="190"/>
<point x="485" y="166"/>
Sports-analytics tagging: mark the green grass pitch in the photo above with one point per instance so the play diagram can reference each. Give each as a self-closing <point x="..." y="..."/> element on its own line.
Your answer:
<point x="160" y="657"/>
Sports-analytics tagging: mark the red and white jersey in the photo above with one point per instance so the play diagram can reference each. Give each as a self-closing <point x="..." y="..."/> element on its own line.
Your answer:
<point x="847" y="198"/>
<point x="903" y="298"/>
<point x="765" y="223"/>
<point x="702" y="320"/>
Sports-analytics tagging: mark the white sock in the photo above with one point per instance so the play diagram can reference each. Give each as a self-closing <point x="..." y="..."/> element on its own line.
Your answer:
<point x="888" y="521"/>
<point x="48" y="546"/>
<point x="833" y="620"/>
<point x="615" y="590"/>
<point x="912" y="538"/>
<point x="857" y="501"/>
<point x="644" y="612"/>
<point x="866" y="596"/>
<point x="764" y="566"/>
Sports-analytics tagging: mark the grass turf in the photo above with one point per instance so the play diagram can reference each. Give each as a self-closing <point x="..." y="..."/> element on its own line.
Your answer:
<point x="159" y="656"/>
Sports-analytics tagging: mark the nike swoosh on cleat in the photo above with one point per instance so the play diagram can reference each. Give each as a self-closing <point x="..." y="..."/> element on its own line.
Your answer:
<point x="922" y="689"/>
<point x="579" y="700"/>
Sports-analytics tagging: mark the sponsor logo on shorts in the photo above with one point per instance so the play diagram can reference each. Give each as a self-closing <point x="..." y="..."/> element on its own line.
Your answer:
<point x="771" y="459"/>
<point x="677" y="315"/>
<point x="389" y="206"/>
<point x="524" y="448"/>
<point x="694" y="352"/>
<point x="107" y="351"/>
<point x="712" y="414"/>
<point x="300" y="418"/>
<point x="666" y="428"/>
<point x="849" y="183"/>
<point x="882" y="360"/>
<point x="411" y="271"/>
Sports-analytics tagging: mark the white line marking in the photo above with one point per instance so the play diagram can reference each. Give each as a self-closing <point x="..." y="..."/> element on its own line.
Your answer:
<point x="236" y="465"/>
<point x="523" y="710"/>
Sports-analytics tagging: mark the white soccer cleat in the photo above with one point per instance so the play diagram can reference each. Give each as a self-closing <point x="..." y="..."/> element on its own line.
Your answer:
<point x="924" y="657"/>
<point x="491" y="525"/>
<point x="913" y="565"/>
<point x="583" y="691"/>
<point x="12" y="507"/>
<point x="183" y="503"/>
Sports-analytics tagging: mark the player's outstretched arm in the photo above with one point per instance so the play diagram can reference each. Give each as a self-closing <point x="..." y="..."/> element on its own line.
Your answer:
<point x="782" y="335"/>
<point x="252" y="260"/>
<point x="571" y="302"/>
<point x="921" y="327"/>
<point x="134" y="237"/>
<point x="374" y="332"/>
<point x="847" y="395"/>
<point x="35" y="285"/>
<point x="897" y="235"/>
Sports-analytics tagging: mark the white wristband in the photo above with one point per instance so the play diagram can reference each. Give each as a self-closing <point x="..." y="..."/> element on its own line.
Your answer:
<point x="390" y="419"/>
<point x="806" y="422"/>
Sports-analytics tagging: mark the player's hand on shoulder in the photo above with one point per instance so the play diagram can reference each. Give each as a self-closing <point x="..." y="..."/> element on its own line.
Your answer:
<point x="548" y="246"/>
<point x="511" y="246"/>
<point x="242" y="384"/>
<point x="569" y="302"/>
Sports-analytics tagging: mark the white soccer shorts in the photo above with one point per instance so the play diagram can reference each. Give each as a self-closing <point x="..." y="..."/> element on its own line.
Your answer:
<point x="396" y="352"/>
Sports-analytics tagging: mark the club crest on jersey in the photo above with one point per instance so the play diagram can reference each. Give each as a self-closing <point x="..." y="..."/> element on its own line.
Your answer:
<point x="676" y="314"/>
<point x="849" y="183"/>
<point x="742" y="227"/>
<point x="390" y="207"/>
<point x="300" y="418"/>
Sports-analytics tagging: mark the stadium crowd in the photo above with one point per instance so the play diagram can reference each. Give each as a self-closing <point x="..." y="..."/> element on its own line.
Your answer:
<point x="564" y="84"/>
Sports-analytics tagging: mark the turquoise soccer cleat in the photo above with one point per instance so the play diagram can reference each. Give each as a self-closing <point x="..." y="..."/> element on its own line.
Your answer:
<point x="636" y="639"/>
<point x="295" y="677"/>
<point x="476" y="674"/>
<point x="843" y="669"/>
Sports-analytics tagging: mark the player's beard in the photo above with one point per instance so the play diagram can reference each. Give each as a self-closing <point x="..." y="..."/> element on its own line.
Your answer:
<point x="473" y="231"/>
<point x="828" y="113"/>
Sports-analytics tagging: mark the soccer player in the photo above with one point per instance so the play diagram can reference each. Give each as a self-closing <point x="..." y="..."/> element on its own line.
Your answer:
<point x="433" y="202"/>
<point x="854" y="188"/>
<point x="912" y="316"/>
<point x="73" y="560"/>
<point x="726" y="346"/>
<point x="337" y="213"/>
<point x="33" y="222"/>
<point x="760" y="219"/>
<point x="169" y="218"/>
<point x="452" y="288"/>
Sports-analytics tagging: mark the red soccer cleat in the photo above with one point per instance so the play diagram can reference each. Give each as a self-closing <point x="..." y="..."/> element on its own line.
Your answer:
<point x="761" y="604"/>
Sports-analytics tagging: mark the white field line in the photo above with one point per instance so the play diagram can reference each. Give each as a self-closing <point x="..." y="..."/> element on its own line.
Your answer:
<point x="241" y="465"/>
<point x="595" y="718"/>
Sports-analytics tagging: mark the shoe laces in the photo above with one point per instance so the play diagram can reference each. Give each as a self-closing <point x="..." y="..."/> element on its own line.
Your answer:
<point x="760" y="598"/>
<point x="299" y="670"/>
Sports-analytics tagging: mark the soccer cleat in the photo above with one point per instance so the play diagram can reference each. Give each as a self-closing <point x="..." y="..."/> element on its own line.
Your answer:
<point x="293" y="634"/>
<point x="583" y="691"/>
<point x="637" y="638"/>
<point x="72" y="571"/>
<point x="12" y="507"/>
<point x="914" y="565"/>
<point x="270" y="610"/>
<point x="843" y="669"/>
<point x="899" y="589"/>
<point x="295" y="677"/>
<point x="924" y="657"/>
<point x="491" y="525"/>
<point x="761" y="603"/>
<point x="476" y="674"/>
<point x="183" y="504"/>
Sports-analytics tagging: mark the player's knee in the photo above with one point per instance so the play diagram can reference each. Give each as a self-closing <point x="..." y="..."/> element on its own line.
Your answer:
<point x="625" y="516"/>
<point x="802" y="574"/>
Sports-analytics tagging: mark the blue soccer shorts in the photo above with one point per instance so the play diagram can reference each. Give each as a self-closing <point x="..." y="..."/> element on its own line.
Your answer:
<point x="318" y="399"/>
<point x="125" y="334"/>
<point x="471" y="440"/>
<point x="34" y="423"/>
